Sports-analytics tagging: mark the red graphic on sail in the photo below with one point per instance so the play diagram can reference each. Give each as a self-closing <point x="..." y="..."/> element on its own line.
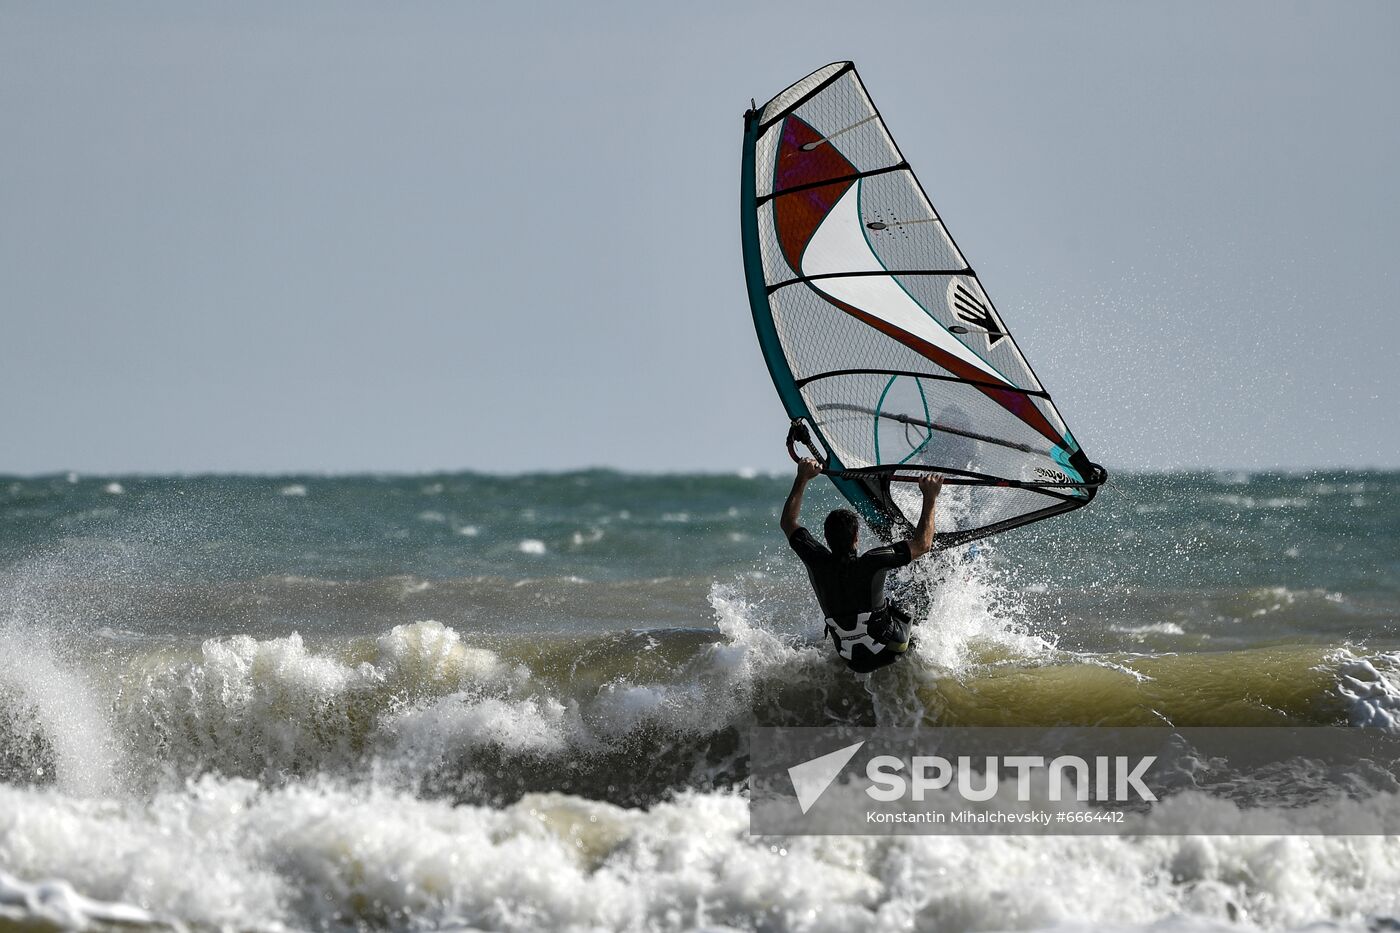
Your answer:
<point x="797" y="216"/>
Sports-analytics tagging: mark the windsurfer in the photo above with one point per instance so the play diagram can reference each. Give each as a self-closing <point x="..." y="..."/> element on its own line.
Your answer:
<point x="868" y="630"/>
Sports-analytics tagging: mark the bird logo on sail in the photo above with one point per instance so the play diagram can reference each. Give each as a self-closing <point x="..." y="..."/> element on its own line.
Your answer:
<point x="968" y="307"/>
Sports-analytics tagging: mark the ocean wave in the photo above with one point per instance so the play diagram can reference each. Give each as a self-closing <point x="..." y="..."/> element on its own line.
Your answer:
<point x="421" y="704"/>
<point x="493" y="714"/>
<point x="225" y="853"/>
<point x="630" y="717"/>
<point x="489" y="706"/>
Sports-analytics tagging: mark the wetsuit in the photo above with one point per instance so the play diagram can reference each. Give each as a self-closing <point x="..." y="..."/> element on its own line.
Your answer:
<point x="868" y="631"/>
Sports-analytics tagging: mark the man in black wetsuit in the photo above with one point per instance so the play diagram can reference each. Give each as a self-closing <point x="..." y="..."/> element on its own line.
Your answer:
<point x="868" y="630"/>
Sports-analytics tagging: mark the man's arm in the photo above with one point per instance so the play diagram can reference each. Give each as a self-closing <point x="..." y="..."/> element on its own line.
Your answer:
<point x="922" y="542"/>
<point x="792" y="508"/>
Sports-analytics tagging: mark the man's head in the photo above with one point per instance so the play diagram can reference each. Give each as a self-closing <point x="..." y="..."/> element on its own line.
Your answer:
<point x="841" y="528"/>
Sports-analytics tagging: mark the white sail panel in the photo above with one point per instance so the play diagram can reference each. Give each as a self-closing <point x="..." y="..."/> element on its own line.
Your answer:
<point x="879" y="335"/>
<point x="839" y="247"/>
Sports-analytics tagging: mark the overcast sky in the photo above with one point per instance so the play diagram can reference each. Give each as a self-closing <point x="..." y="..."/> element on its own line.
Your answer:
<point x="414" y="236"/>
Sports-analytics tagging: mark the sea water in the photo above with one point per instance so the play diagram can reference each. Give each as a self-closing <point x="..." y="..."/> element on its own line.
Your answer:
<point x="464" y="701"/>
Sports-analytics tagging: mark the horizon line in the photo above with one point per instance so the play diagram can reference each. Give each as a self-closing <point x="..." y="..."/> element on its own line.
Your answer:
<point x="743" y="472"/>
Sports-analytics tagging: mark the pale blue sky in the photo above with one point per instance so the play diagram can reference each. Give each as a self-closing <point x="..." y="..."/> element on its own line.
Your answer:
<point x="420" y="236"/>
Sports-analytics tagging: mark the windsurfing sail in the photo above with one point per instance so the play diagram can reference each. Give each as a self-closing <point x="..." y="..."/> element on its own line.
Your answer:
<point x="879" y="336"/>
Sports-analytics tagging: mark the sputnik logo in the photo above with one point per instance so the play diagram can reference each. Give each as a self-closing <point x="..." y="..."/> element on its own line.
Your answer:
<point x="811" y="778"/>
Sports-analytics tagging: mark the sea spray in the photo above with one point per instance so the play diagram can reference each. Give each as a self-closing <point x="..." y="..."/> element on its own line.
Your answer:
<point x="53" y="727"/>
<point x="54" y="724"/>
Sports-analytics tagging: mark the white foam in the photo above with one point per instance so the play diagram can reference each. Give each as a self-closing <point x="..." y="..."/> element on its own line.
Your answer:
<point x="1272" y="502"/>
<point x="253" y="707"/>
<point x="531" y="546"/>
<point x="1155" y="628"/>
<point x="430" y="656"/>
<point x="463" y="721"/>
<point x="1371" y="688"/>
<point x="55" y="905"/>
<point x="503" y="705"/>
<point x="592" y="536"/>
<point x="180" y="855"/>
<point x="224" y="854"/>
<point x="411" y="586"/>
<point x="113" y="489"/>
<point x="292" y="490"/>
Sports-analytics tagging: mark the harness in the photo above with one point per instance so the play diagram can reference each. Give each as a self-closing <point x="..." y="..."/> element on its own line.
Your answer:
<point x="857" y="634"/>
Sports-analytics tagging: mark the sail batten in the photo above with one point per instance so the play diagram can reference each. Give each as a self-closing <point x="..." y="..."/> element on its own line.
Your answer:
<point x="869" y="315"/>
